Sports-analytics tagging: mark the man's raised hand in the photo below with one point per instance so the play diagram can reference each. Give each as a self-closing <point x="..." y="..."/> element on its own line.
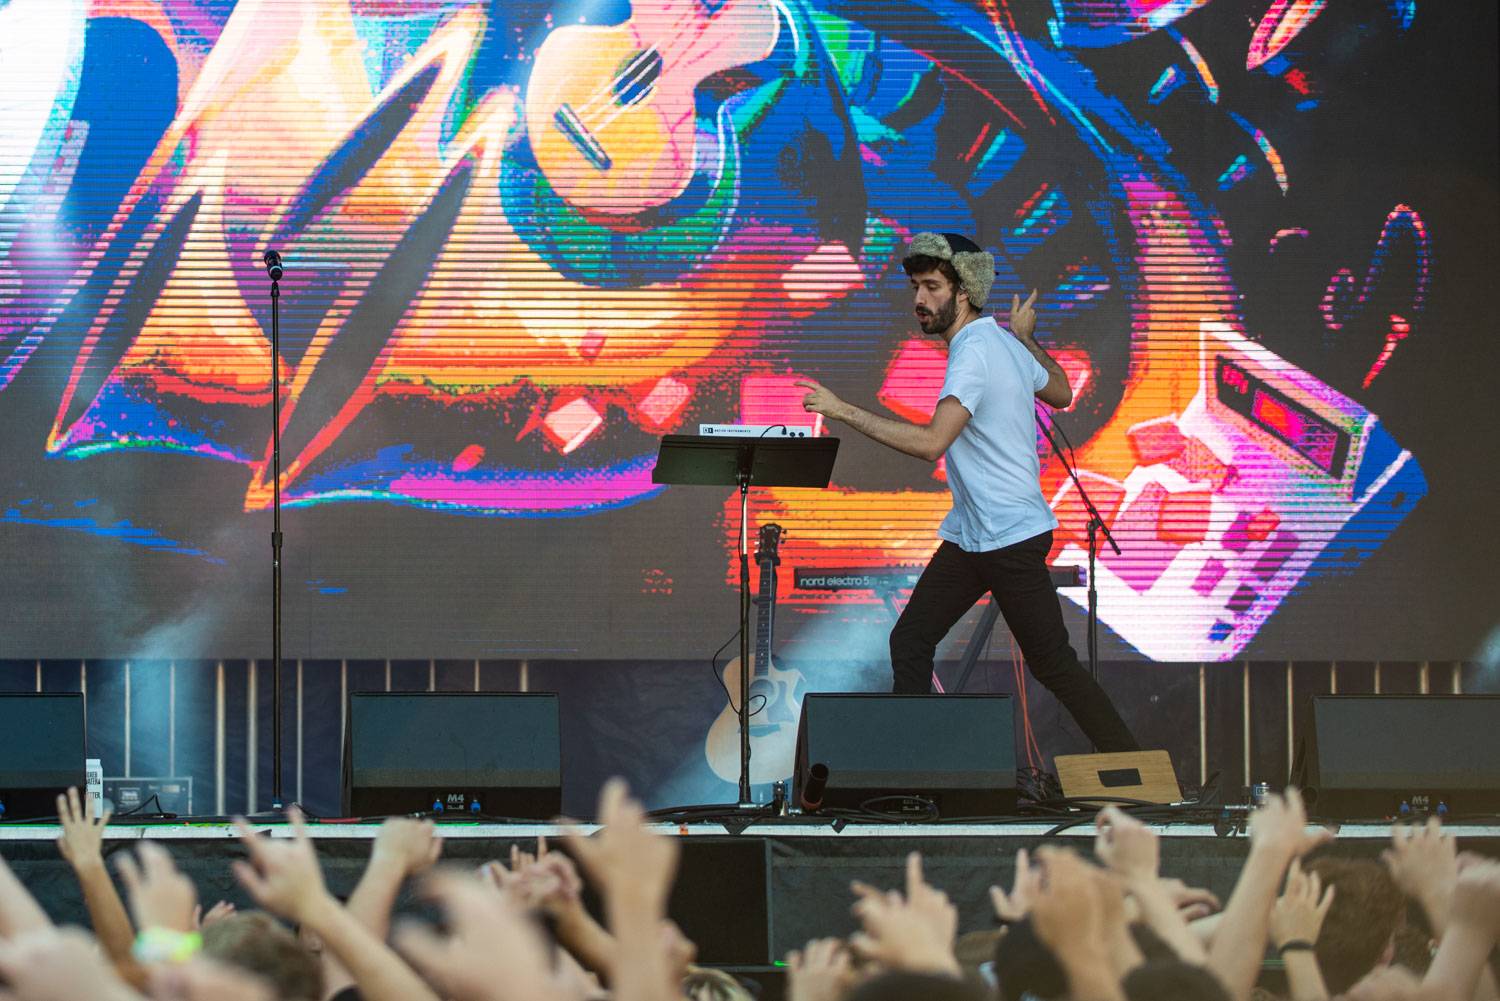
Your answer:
<point x="494" y="952"/>
<point x="819" y="399"/>
<point x="1280" y="826"/>
<point x="1126" y="846"/>
<point x="1077" y="916"/>
<point x="1476" y="897"/>
<point x="160" y="895"/>
<point x="1023" y="316"/>
<point x="1192" y="902"/>
<point x="407" y="844"/>
<point x="1423" y="862"/>
<point x="913" y="933"/>
<point x="820" y="971"/>
<point x="624" y="857"/>
<point x="82" y="840"/>
<point x="1300" y="910"/>
<point x="282" y="875"/>
<point x="1014" y="906"/>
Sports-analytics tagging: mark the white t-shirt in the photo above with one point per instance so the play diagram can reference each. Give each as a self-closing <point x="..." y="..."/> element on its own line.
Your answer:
<point x="993" y="469"/>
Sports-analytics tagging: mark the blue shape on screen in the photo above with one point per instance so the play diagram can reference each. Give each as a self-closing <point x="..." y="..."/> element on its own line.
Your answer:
<point x="128" y="95"/>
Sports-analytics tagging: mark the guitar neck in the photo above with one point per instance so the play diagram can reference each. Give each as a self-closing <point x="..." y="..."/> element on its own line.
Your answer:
<point x="766" y="611"/>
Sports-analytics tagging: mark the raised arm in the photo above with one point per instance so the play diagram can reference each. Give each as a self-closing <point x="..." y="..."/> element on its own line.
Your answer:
<point x="82" y="847"/>
<point x="634" y="870"/>
<point x="53" y="964"/>
<point x="1296" y="921"/>
<point x="403" y="848"/>
<point x="285" y="878"/>
<point x="1072" y="918"/>
<point x="1278" y="834"/>
<point x="1473" y="928"/>
<point x="549" y="882"/>
<point x="1132" y="852"/>
<point x="1058" y="392"/>
<point x="19" y="911"/>
<point x="492" y="951"/>
<point x="913" y="932"/>
<point x="921" y="441"/>
<point x="1424" y="863"/>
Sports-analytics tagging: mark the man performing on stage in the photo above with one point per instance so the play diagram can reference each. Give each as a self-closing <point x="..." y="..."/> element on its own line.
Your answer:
<point x="997" y="536"/>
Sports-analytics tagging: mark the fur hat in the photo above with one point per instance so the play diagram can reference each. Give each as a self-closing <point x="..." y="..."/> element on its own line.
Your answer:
<point x="975" y="267"/>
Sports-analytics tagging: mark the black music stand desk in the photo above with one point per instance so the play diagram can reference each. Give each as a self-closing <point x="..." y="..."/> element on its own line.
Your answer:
<point x="705" y="460"/>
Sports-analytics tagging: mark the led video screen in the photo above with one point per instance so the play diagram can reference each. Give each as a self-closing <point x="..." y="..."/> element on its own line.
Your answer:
<point x="524" y="241"/>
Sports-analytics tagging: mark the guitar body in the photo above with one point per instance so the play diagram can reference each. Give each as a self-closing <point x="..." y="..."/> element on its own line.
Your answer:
<point x="610" y="110"/>
<point x="773" y="730"/>
<point x="775" y="694"/>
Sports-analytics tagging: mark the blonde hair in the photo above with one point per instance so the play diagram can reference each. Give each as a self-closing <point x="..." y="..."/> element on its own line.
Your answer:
<point x="703" y="984"/>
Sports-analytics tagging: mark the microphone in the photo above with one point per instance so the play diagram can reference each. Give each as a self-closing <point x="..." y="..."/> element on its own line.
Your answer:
<point x="813" y="786"/>
<point x="272" y="261"/>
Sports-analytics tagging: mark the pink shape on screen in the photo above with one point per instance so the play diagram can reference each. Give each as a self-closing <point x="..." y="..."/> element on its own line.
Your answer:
<point x="1262" y="525"/>
<point x="914" y="380"/>
<point x="827" y="272"/>
<point x="570" y="425"/>
<point x="1144" y="557"/>
<point x="468" y="459"/>
<point x="1184" y="517"/>
<point x="1156" y="440"/>
<point x="1198" y="463"/>
<point x="776" y="399"/>
<point x="1073" y="517"/>
<point x="663" y="402"/>
<point x="1208" y="578"/>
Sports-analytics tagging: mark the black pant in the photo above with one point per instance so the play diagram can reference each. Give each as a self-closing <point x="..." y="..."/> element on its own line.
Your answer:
<point x="1017" y="577"/>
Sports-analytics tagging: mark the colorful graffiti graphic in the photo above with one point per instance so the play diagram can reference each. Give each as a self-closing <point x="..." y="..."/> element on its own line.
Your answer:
<point x="524" y="241"/>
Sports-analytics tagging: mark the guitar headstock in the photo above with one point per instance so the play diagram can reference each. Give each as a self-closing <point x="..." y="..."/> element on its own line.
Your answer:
<point x="770" y="541"/>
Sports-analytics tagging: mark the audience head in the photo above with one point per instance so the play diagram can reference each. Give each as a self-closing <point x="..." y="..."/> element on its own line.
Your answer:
<point x="703" y="984"/>
<point x="256" y="942"/>
<point x="1359" y="932"/>
<point x="1413" y="949"/>
<point x="1025" y="967"/>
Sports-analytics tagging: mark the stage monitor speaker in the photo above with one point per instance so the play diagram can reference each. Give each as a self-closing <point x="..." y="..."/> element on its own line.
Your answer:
<point x="1144" y="776"/>
<point x="1379" y="756"/>
<point x="492" y="754"/>
<point x="869" y="751"/>
<point x="42" y="751"/>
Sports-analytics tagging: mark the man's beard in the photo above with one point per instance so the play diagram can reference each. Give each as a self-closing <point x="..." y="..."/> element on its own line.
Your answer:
<point x="936" y="323"/>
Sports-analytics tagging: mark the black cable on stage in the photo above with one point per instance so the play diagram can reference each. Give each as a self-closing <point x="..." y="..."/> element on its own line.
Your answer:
<point x="714" y="667"/>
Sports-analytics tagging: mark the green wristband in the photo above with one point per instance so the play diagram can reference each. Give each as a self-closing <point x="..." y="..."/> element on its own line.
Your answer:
<point x="163" y="945"/>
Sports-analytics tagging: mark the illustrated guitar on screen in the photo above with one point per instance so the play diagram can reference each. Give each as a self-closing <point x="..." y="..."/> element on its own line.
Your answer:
<point x="775" y="694"/>
<point x="610" y="111"/>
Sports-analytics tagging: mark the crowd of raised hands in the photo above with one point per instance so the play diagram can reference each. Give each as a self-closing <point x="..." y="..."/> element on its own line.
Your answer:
<point x="1069" y="927"/>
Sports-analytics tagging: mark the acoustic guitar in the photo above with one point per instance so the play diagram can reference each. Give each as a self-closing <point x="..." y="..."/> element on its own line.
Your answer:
<point x="775" y="694"/>
<point x="610" y="111"/>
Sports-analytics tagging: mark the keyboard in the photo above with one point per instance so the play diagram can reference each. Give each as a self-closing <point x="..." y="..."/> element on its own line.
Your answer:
<point x="895" y="578"/>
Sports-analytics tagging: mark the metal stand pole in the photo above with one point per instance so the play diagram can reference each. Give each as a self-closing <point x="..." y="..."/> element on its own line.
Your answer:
<point x="744" y="712"/>
<point x="1096" y="525"/>
<point x="277" y="802"/>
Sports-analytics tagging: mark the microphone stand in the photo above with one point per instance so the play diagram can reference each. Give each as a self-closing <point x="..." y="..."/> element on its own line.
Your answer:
<point x="274" y="269"/>
<point x="1096" y="525"/>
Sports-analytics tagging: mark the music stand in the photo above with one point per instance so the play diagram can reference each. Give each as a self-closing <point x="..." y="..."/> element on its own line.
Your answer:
<point x="704" y="460"/>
